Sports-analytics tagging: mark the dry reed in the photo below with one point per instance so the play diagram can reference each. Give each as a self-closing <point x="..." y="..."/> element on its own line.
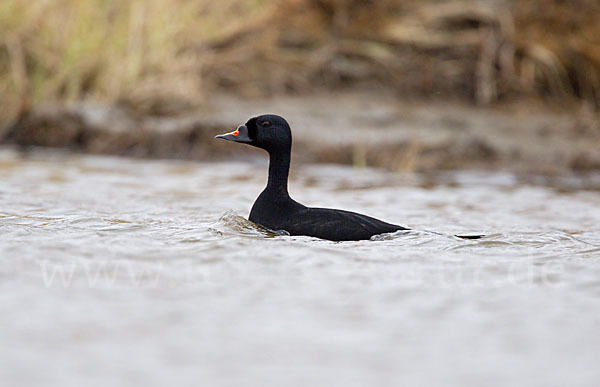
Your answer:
<point x="161" y="56"/>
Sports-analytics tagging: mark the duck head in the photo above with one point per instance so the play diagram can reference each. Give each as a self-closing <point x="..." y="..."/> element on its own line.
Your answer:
<point x="269" y="132"/>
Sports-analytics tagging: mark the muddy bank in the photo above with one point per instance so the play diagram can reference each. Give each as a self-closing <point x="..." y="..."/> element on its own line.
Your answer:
<point x="356" y="129"/>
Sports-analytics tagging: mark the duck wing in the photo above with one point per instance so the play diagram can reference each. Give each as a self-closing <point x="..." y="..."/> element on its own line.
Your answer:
<point x="337" y="225"/>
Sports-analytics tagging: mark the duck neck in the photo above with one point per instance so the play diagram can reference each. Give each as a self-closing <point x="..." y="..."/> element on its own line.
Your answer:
<point x="279" y="169"/>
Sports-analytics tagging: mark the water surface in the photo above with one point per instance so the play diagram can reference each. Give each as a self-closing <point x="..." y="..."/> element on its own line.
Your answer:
<point x="119" y="271"/>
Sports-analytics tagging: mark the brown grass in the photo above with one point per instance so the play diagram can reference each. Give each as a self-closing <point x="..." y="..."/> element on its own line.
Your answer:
<point x="148" y="53"/>
<point x="162" y="56"/>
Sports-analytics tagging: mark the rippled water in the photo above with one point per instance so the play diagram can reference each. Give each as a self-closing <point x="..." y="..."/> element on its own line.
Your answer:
<point x="118" y="271"/>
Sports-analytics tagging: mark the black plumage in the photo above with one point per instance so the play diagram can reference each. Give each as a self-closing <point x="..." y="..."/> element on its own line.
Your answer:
<point x="276" y="210"/>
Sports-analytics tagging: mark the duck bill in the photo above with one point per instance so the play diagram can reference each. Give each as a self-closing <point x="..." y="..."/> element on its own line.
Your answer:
<point x="238" y="135"/>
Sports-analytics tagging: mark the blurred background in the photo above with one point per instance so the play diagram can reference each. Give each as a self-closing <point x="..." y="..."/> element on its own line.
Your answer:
<point x="163" y="58"/>
<point x="151" y="52"/>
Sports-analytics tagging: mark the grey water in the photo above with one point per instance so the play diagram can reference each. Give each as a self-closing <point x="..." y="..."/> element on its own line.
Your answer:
<point x="117" y="271"/>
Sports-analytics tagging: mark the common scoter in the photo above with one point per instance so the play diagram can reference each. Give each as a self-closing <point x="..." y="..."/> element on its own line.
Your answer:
<point x="276" y="210"/>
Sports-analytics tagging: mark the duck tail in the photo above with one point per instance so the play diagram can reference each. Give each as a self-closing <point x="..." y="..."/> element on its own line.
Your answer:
<point x="470" y="236"/>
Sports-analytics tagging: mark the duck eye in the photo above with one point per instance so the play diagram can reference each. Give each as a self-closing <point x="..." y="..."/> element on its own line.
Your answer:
<point x="265" y="124"/>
